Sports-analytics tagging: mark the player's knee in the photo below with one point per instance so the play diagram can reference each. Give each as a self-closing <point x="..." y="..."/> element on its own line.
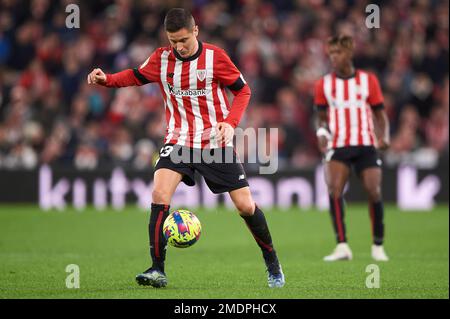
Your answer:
<point x="245" y="208"/>
<point x="374" y="195"/>
<point x="160" y="196"/>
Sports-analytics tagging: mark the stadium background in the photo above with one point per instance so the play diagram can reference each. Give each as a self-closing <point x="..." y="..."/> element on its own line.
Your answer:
<point x="52" y="122"/>
<point x="50" y="116"/>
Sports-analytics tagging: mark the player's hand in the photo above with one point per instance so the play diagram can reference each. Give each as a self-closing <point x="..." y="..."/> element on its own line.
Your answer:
<point x="383" y="144"/>
<point x="97" y="76"/>
<point x="225" y="132"/>
<point x="322" y="142"/>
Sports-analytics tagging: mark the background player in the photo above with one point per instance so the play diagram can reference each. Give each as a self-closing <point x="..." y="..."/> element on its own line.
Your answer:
<point x="192" y="76"/>
<point x="352" y="124"/>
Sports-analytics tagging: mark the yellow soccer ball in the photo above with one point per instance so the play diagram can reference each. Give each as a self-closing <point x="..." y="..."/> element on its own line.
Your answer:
<point x="182" y="228"/>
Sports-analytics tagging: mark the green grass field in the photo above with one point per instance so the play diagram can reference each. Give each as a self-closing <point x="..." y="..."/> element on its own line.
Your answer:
<point x="111" y="248"/>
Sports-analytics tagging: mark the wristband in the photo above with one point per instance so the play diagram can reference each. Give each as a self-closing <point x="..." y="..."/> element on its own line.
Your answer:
<point x="323" y="132"/>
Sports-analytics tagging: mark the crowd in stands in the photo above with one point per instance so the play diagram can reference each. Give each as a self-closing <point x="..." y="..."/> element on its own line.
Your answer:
<point x="50" y="115"/>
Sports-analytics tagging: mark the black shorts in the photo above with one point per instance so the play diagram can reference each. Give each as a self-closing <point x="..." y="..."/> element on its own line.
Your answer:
<point x="221" y="168"/>
<point x="358" y="157"/>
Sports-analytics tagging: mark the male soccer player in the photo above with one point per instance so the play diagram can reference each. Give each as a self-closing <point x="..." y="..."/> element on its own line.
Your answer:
<point x="352" y="125"/>
<point x="192" y="77"/>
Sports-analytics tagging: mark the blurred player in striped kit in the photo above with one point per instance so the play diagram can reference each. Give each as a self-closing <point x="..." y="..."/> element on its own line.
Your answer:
<point x="352" y="127"/>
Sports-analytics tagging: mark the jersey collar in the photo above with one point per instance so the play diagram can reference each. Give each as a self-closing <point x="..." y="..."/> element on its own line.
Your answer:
<point x="346" y="77"/>
<point x="192" y="57"/>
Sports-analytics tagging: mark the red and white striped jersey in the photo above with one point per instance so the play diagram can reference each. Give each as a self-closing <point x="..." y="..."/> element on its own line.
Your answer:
<point x="194" y="92"/>
<point x="349" y="103"/>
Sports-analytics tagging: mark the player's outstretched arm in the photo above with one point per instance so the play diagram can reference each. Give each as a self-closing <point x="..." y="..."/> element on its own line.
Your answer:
<point x="323" y="132"/>
<point x="381" y="122"/>
<point x="121" y="79"/>
<point x="229" y="75"/>
<point x="225" y="129"/>
<point x="321" y="106"/>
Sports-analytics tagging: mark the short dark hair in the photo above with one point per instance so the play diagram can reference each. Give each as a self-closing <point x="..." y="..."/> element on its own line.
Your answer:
<point x="177" y="19"/>
<point x="342" y="40"/>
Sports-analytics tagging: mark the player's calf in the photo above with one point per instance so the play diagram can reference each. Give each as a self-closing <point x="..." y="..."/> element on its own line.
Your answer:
<point x="257" y="225"/>
<point x="158" y="242"/>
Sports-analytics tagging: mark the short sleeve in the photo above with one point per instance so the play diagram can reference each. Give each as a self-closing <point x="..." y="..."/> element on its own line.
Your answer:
<point x="375" y="95"/>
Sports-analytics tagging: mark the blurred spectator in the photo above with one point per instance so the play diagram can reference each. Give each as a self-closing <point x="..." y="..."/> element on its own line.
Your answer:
<point x="121" y="148"/>
<point x="53" y="150"/>
<point x="144" y="151"/>
<point x="20" y="156"/>
<point x="405" y="140"/>
<point x="86" y="157"/>
<point x="436" y="130"/>
<point x="422" y="94"/>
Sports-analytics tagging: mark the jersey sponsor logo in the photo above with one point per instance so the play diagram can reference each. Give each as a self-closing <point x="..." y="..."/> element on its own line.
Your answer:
<point x="194" y="93"/>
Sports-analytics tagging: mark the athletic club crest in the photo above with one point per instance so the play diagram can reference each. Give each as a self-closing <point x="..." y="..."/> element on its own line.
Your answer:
<point x="201" y="74"/>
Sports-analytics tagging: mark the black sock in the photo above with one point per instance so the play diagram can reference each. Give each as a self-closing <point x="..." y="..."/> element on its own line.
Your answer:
<point x="376" y="217"/>
<point x="158" y="242"/>
<point x="337" y="216"/>
<point x="258" y="227"/>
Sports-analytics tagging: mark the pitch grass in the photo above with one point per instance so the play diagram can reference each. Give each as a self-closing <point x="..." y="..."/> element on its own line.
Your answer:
<point x="111" y="248"/>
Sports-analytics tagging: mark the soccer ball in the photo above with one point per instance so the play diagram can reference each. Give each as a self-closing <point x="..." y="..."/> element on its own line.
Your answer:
<point x="182" y="229"/>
